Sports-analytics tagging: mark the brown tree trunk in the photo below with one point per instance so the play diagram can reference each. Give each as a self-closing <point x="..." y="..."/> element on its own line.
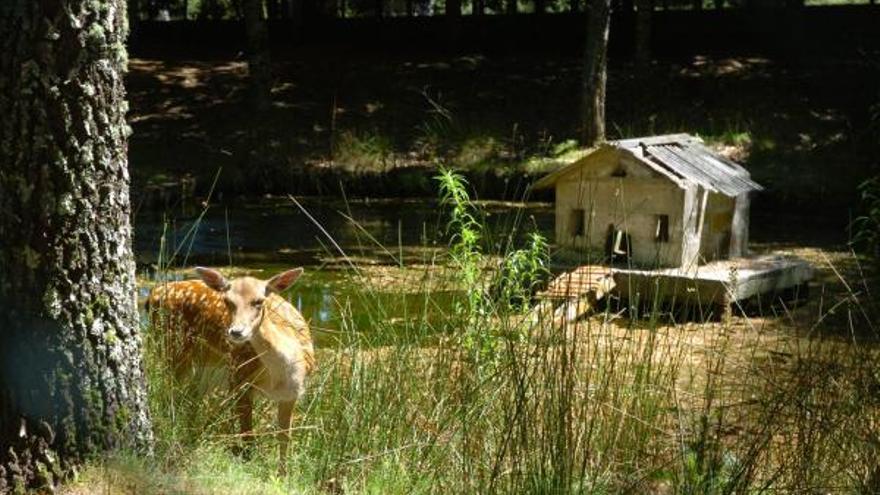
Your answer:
<point x="453" y="20"/>
<point x="594" y="73"/>
<point x="644" y="13"/>
<point x="540" y="6"/>
<point x="259" y="65"/>
<point x="512" y="7"/>
<point x="71" y="377"/>
<point x="719" y="4"/>
<point x="697" y="4"/>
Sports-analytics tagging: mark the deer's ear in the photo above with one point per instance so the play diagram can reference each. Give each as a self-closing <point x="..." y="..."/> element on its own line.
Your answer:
<point x="282" y="281"/>
<point x="212" y="278"/>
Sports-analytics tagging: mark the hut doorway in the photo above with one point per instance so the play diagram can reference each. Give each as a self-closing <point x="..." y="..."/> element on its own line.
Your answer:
<point x="618" y="244"/>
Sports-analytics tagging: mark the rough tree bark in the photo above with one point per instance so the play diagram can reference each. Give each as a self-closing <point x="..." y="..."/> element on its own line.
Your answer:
<point x="644" y="12"/>
<point x="259" y="65"/>
<point x="594" y="73"/>
<point x="71" y="377"/>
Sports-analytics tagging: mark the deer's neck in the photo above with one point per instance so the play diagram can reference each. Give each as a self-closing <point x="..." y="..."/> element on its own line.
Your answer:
<point x="280" y="353"/>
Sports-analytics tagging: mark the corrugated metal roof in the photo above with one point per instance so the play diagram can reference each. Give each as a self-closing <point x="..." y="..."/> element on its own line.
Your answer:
<point x="683" y="158"/>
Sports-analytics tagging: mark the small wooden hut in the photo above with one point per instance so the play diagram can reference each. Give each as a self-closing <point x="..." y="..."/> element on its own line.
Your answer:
<point x="676" y="212"/>
<point x="658" y="202"/>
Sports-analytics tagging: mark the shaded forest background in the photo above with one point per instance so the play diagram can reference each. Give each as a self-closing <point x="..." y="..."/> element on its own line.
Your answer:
<point x="373" y="105"/>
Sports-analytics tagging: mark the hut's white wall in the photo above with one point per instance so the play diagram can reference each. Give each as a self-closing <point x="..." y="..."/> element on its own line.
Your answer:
<point x="634" y="203"/>
<point x="715" y="240"/>
<point x="739" y="241"/>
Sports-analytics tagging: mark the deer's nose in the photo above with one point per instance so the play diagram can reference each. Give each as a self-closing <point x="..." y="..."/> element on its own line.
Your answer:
<point x="236" y="333"/>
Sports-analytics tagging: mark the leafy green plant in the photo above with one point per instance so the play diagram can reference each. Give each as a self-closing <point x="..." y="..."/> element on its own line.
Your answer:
<point x="363" y="153"/>
<point x="866" y="228"/>
<point x="522" y="272"/>
<point x="466" y="255"/>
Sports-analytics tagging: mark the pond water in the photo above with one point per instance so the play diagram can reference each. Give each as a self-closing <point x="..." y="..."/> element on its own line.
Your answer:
<point x="272" y="235"/>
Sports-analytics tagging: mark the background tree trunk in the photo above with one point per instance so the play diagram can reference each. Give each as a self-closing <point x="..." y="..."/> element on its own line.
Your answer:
<point x="540" y="6"/>
<point x="644" y="12"/>
<point x="453" y="8"/>
<point x="71" y="377"/>
<point x="512" y="7"/>
<point x="259" y="65"/>
<point x="594" y="73"/>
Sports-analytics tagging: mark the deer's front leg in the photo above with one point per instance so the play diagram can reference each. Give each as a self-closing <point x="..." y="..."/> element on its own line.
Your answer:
<point x="244" y="405"/>
<point x="285" y="414"/>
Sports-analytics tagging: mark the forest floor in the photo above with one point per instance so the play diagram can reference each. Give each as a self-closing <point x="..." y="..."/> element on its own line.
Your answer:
<point x="380" y="124"/>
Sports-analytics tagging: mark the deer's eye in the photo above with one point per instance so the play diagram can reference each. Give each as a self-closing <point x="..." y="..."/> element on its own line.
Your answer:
<point x="258" y="303"/>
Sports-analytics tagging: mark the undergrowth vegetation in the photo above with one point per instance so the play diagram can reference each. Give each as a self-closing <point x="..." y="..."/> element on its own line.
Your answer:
<point x="493" y="394"/>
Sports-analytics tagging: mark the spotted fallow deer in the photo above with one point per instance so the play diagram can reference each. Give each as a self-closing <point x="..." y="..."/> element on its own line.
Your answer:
<point x="246" y="322"/>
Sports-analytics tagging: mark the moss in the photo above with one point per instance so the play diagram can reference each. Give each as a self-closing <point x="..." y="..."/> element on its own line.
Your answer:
<point x="52" y="302"/>
<point x="31" y="258"/>
<point x="88" y="317"/>
<point x="123" y="418"/>
<point x="96" y="38"/>
<point x="102" y="303"/>
<point x="65" y="205"/>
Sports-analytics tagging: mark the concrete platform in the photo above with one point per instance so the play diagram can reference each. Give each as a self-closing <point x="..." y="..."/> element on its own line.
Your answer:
<point x="718" y="283"/>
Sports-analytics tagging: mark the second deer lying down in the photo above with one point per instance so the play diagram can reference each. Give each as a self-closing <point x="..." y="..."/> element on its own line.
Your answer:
<point x="244" y="319"/>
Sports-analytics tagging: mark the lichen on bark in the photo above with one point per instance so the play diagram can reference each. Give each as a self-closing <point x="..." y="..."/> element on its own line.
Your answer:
<point x="71" y="378"/>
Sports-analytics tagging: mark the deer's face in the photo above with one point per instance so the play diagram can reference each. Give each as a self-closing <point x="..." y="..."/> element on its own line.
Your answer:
<point x="245" y="297"/>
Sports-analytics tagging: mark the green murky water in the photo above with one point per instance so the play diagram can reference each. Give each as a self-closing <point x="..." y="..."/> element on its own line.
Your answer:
<point x="394" y="244"/>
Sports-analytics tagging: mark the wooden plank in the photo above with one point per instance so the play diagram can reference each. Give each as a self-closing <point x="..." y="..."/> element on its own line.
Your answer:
<point x="583" y="280"/>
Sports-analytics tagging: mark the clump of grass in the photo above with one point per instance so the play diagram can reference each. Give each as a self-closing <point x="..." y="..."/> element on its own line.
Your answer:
<point x="866" y="227"/>
<point x="366" y="153"/>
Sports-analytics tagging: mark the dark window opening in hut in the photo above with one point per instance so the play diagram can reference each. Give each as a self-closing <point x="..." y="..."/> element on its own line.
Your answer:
<point x="577" y="224"/>
<point x="619" y="172"/>
<point x="661" y="234"/>
<point x="618" y="244"/>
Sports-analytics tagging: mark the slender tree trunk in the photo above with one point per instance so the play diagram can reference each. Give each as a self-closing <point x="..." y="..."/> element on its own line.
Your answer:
<point x="513" y="7"/>
<point x="697" y="4"/>
<point x="71" y="377"/>
<point x="453" y="19"/>
<point x="644" y="13"/>
<point x="134" y="16"/>
<point x="719" y="4"/>
<point x="479" y="7"/>
<point x="272" y="9"/>
<point x="380" y="8"/>
<point x="574" y="5"/>
<point x="540" y="6"/>
<point x="259" y="65"/>
<point x="453" y="8"/>
<point x="594" y="73"/>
